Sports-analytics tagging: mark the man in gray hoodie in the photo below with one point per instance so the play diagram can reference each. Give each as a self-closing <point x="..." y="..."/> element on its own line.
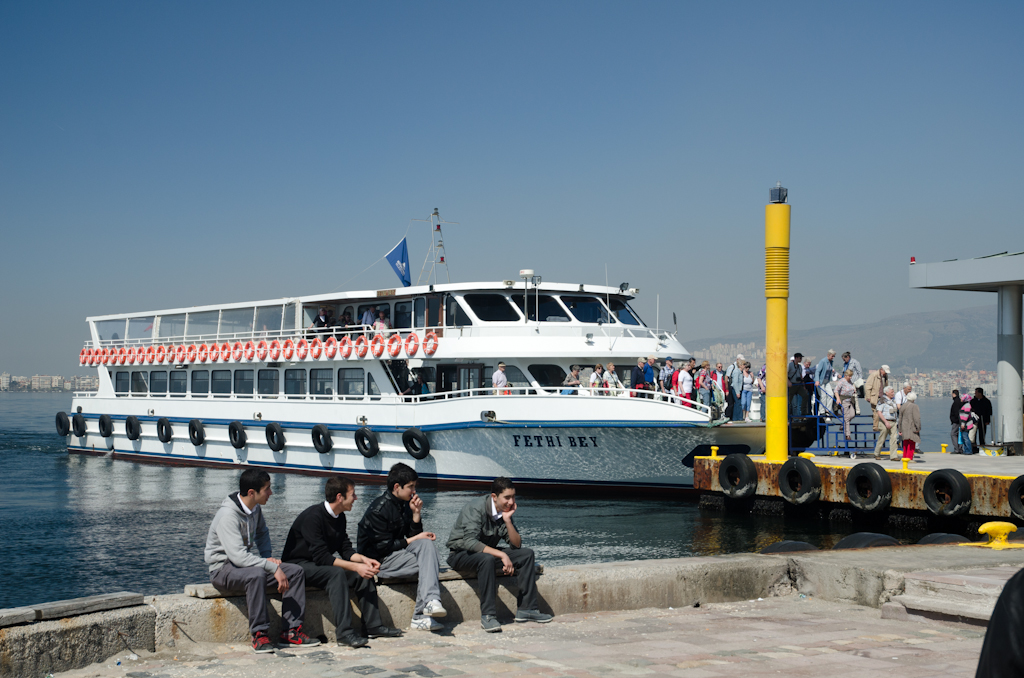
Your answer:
<point x="238" y="553"/>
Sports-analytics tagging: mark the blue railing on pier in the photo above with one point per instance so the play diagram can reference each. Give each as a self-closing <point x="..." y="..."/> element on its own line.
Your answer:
<point x="821" y="430"/>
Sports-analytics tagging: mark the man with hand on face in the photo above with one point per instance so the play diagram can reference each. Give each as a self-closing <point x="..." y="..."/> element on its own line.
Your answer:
<point x="315" y="537"/>
<point x="474" y="539"/>
<point x="392" y="531"/>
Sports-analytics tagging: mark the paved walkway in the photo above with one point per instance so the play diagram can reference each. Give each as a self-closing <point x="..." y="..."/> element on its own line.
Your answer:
<point x="792" y="636"/>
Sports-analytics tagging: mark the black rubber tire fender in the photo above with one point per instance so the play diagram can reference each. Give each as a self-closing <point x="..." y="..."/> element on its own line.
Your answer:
<point x="738" y="476"/>
<point x="63" y="424"/>
<point x="1015" y="497"/>
<point x="943" y="538"/>
<point x="196" y="432"/>
<point x="163" y="430"/>
<point x="322" y="439"/>
<point x="275" y="436"/>
<point x="416" y="443"/>
<point x="947" y="493"/>
<point x="106" y="426"/>
<point x="800" y="481"/>
<point x="865" y="540"/>
<point x="868" y="487"/>
<point x="78" y="425"/>
<point x="366" y="442"/>
<point x="788" y="546"/>
<point x="236" y="434"/>
<point x="132" y="427"/>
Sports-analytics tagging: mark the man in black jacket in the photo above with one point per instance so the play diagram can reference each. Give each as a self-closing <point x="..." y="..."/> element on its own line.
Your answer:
<point x="954" y="421"/>
<point x="391" y="531"/>
<point x="982" y="406"/>
<point x="313" y="540"/>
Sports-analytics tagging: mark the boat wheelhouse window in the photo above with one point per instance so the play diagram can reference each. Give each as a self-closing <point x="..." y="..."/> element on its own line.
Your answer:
<point x="158" y="382"/>
<point x="587" y="309"/>
<point x="172" y="325"/>
<point x="140" y="328"/>
<point x="377" y="308"/>
<point x="202" y="324"/>
<point x="547" y="375"/>
<point x="516" y="379"/>
<point x="371" y="387"/>
<point x="220" y="381"/>
<point x="433" y="311"/>
<point x="236" y="321"/>
<point x="420" y="308"/>
<point x="290" y="311"/>
<point x="121" y="382"/>
<point x="139" y="384"/>
<point x="403" y="315"/>
<point x="243" y="382"/>
<point x="321" y="382"/>
<point x="269" y="382"/>
<point x="110" y="330"/>
<point x="492" y="307"/>
<point x="295" y="382"/>
<point x="268" y="318"/>
<point x="200" y="383"/>
<point x="624" y="313"/>
<point x="550" y="310"/>
<point x="455" y="315"/>
<point x="350" y="381"/>
<point x="179" y="381"/>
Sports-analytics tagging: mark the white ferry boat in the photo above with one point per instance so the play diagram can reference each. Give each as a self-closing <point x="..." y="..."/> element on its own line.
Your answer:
<point x="254" y="384"/>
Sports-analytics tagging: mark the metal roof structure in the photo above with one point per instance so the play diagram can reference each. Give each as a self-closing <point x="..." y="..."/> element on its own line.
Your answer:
<point x="982" y="274"/>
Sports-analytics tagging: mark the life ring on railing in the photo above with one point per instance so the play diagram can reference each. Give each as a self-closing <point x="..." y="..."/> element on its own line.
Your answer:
<point x="316" y="347"/>
<point x="191" y="353"/>
<point x="377" y="345"/>
<point x="394" y="345"/>
<point x="225" y="352"/>
<point x="180" y="354"/>
<point x="90" y="358"/>
<point x="302" y="349"/>
<point x="330" y="348"/>
<point x="345" y="347"/>
<point x="214" y="352"/>
<point x="275" y="350"/>
<point x="237" y="351"/>
<point x="83" y="356"/>
<point x="430" y="342"/>
<point x="161" y="354"/>
<point x="130" y="355"/>
<point x="287" y="349"/>
<point x="150" y="354"/>
<point x="99" y="357"/>
<point x="261" y="350"/>
<point x="412" y="344"/>
<point x="360" y="346"/>
<point x="109" y="356"/>
<point x="122" y="355"/>
<point x="203" y="353"/>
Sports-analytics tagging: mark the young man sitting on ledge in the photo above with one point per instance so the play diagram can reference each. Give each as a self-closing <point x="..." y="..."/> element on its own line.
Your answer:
<point x="315" y="537"/>
<point x="474" y="539"/>
<point x="238" y="553"/>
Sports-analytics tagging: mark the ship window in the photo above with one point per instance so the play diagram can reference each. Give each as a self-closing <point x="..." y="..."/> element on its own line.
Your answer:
<point x="158" y="382"/>
<point x="269" y="382"/>
<point x="179" y="381"/>
<point x="433" y="311"/>
<point x="491" y="307"/>
<point x="110" y="330"/>
<point x="550" y="310"/>
<point x="220" y="381"/>
<point x="121" y="382"/>
<point x="547" y="375"/>
<point x="243" y="382"/>
<point x="516" y="378"/>
<point x="202" y="324"/>
<point x="289" y="316"/>
<point x="321" y="382"/>
<point x="403" y="315"/>
<point x="172" y="325"/>
<point x="377" y="308"/>
<point x="624" y="313"/>
<point x="268" y="318"/>
<point x="200" y="383"/>
<point x="295" y="382"/>
<point x="140" y="328"/>
<point x="350" y="381"/>
<point x="371" y="387"/>
<point x="237" y="321"/>
<point x="587" y="309"/>
<point x="420" y="309"/>
<point x="139" y="382"/>
<point x="456" y="316"/>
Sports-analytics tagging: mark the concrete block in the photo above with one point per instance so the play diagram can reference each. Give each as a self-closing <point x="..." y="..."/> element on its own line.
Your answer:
<point x="16" y="615"/>
<point x="945" y="608"/>
<point x="896" y="611"/>
<point x="107" y="601"/>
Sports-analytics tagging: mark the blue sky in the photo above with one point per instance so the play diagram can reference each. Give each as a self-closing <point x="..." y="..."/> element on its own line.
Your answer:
<point x="158" y="155"/>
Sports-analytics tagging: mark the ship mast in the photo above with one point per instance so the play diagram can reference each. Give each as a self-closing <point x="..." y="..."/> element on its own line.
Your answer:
<point x="435" y="253"/>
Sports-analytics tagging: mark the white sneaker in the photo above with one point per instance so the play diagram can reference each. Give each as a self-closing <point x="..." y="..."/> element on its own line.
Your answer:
<point x="433" y="608"/>
<point x="426" y="624"/>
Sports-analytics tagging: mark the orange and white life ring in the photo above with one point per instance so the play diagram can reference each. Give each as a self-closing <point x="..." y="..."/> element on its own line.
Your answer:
<point x="150" y="354"/>
<point x="275" y="350"/>
<point x="191" y="353"/>
<point x="302" y="349"/>
<point x="83" y="356"/>
<point x="122" y="355"/>
<point x="93" y="356"/>
<point x="214" y="352"/>
<point x="412" y="344"/>
<point x="330" y="348"/>
<point x="161" y="354"/>
<point x="316" y="347"/>
<point x="249" y="352"/>
<point x="203" y="353"/>
<point x="361" y="345"/>
<point x="237" y="351"/>
<point x="130" y="355"/>
<point x="394" y="345"/>
<point x="430" y="343"/>
<point x="377" y="345"/>
<point x="261" y="350"/>
<point x="345" y="347"/>
<point x="225" y="352"/>
<point x="287" y="349"/>
<point x="104" y="356"/>
<point x="180" y="354"/>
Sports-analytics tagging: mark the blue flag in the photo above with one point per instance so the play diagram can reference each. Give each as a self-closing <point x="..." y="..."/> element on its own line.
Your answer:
<point x="399" y="260"/>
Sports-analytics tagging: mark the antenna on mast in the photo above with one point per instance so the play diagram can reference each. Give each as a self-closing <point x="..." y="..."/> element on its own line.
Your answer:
<point x="435" y="253"/>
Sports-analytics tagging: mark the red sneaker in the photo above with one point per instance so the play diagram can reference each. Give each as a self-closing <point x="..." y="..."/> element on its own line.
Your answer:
<point x="261" y="643"/>
<point x="297" y="637"/>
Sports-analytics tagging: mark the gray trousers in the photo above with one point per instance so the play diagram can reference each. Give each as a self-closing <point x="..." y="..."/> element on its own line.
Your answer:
<point x="254" y="581"/>
<point x="418" y="559"/>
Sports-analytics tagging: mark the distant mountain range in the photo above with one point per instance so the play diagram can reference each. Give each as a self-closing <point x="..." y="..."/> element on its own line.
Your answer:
<point x="938" y="340"/>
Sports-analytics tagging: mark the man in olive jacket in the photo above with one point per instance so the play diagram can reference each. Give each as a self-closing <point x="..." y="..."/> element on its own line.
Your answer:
<point x="474" y="540"/>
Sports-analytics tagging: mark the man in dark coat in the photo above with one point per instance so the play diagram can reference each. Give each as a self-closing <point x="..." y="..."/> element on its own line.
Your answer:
<point x="982" y="406"/>
<point x="954" y="421"/>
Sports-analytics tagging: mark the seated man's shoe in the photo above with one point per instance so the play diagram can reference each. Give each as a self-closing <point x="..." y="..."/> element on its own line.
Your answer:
<point x="297" y="638"/>
<point x="383" y="632"/>
<point x="490" y="624"/>
<point x="434" y="608"/>
<point x="426" y="624"/>
<point x="352" y="639"/>
<point x="533" y="616"/>
<point x="261" y="643"/>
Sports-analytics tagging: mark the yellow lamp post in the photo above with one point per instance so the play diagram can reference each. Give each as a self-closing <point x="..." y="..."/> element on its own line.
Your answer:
<point x="776" y="293"/>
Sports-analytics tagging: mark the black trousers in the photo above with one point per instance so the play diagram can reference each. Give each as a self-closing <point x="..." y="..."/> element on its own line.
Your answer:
<point x="337" y="582"/>
<point x="485" y="564"/>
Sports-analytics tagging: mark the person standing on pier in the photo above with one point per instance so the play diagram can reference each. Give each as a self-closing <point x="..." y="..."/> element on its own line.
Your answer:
<point x="734" y="377"/>
<point x="910" y="426"/>
<point x="873" y="389"/>
<point x="954" y="422"/>
<point x="762" y="388"/>
<point x="983" y="408"/>
<point x="808" y="386"/>
<point x="794" y="378"/>
<point x="888" y="417"/>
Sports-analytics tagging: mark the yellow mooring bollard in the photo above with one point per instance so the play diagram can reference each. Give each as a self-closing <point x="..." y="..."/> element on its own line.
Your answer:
<point x="714" y="452"/>
<point x="944" y="446"/>
<point x="776" y="293"/>
<point x="998" y="536"/>
<point x="905" y="462"/>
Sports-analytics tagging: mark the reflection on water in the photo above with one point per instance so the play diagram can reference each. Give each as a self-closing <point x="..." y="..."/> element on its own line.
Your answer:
<point x="74" y="525"/>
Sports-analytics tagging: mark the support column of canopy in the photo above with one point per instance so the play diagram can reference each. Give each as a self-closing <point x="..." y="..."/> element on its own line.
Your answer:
<point x="1009" y="426"/>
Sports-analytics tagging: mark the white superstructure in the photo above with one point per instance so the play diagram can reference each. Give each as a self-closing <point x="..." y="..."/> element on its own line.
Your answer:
<point x="252" y="383"/>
